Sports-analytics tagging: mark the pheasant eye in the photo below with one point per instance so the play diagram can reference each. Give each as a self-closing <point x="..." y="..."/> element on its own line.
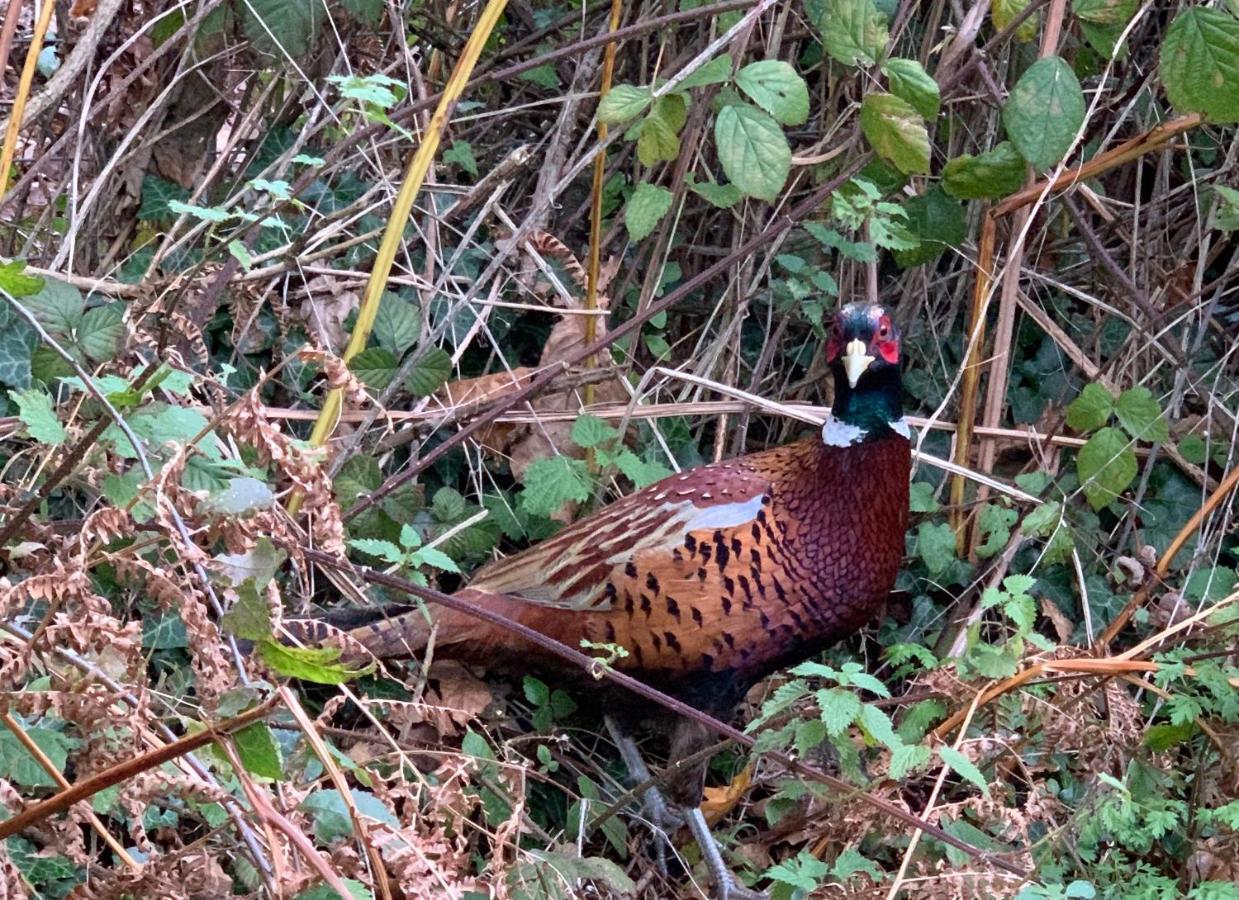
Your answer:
<point x="884" y="332"/>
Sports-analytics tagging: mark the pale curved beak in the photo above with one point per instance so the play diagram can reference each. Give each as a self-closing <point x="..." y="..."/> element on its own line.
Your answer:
<point x="855" y="361"/>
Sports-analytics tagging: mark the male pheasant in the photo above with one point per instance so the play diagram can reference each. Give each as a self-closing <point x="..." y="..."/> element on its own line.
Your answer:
<point x="716" y="577"/>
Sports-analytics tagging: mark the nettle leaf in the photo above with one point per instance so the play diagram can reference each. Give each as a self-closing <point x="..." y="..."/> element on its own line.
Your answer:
<point x="965" y="768"/>
<point x="853" y="31"/>
<point x="937" y="222"/>
<point x="1091" y="409"/>
<point x="429" y="372"/>
<point x="590" y="431"/>
<point x="1044" y="112"/>
<point x="623" y="103"/>
<point x="461" y="153"/>
<point x="1106" y="466"/>
<point x="908" y="758"/>
<point x="1003" y="12"/>
<point x="879" y="726"/>
<point x="39" y="416"/>
<point x="775" y="87"/>
<point x="753" y="150"/>
<point x="909" y="81"/>
<point x="1199" y="63"/>
<point x="896" y="131"/>
<point x="1044" y="520"/>
<point x="645" y="209"/>
<point x="838" y="709"/>
<point x="723" y="196"/>
<point x="550" y="483"/>
<point x="279" y="27"/>
<point x="397" y="323"/>
<point x="1139" y="412"/>
<point x="993" y="174"/>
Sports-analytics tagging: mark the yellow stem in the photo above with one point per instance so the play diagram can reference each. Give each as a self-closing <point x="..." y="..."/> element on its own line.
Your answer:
<point x="23" y="94"/>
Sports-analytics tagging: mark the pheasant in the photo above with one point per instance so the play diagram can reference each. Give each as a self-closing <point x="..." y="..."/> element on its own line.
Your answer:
<point x="714" y="578"/>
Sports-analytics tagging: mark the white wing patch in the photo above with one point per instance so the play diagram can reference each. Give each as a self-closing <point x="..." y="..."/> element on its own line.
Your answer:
<point x="725" y="515"/>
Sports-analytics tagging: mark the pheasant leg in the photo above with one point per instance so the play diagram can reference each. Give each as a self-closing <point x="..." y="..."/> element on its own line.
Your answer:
<point x="726" y="885"/>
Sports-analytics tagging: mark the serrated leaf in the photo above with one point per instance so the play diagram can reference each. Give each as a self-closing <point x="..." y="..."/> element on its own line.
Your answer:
<point x="384" y="550"/>
<point x="1003" y="12"/>
<point x="921" y="497"/>
<point x="809" y="735"/>
<point x="896" y="131"/>
<point x="550" y="483"/>
<point x="622" y="103"/>
<point x="659" y="138"/>
<point x="429" y="373"/>
<point x="17" y="764"/>
<point x="935" y="544"/>
<point x="279" y="27"/>
<point x="375" y="366"/>
<point x="1044" y="520"/>
<point x="753" y="150"/>
<point x="716" y="71"/>
<point x="1044" y="112"/>
<point x="909" y="81"/>
<point x="838" y="709"/>
<point x="1091" y="409"/>
<point x="37" y="413"/>
<point x="1199" y="63"/>
<point x="991" y="175"/>
<point x="774" y="86"/>
<point x="878" y="725"/>
<point x="319" y="665"/>
<point x="590" y="431"/>
<point x="724" y="196"/>
<point x="965" y="768"/>
<point x="211" y="214"/>
<point x="397" y="323"/>
<point x="57" y="306"/>
<point x="433" y="556"/>
<point x="1139" y="412"/>
<point x="1105" y="12"/>
<point x="908" y="758"/>
<point x="641" y="472"/>
<point x="15" y="281"/>
<point x="853" y="31"/>
<point x="1106" y="466"/>
<point x="937" y="222"/>
<point x="645" y="209"/>
<point x="259" y="751"/>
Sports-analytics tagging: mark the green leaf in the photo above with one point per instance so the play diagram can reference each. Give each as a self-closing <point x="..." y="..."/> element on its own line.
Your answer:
<point x="659" y="132"/>
<point x="332" y="820"/>
<point x="908" y="758"/>
<point x="641" y="472"/>
<point x="384" y="550"/>
<point x="993" y="174"/>
<point x="259" y="563"/>
<point x="242" y="496"/>
<point x="716" y="71"/>
<point x="375" y="367"/>
<point x="15" y="281"/>
<point x="724" y="196"/>
<point x="250" y="617"/>
<point x="278" y="27"/>
<point x="429" y="372"/>
<point x="1003" y="12"/>
<point x="1044" y="112"/>
<point x="39" y="416"/>
<point x="909" y="81"/>
<point x="1226" y="214"/>
<point x="753" y="150"/>
<point x="544" y="75"/>
<point x="622" y="103"/>
<point x="878" y="725"/>
<point x="896" y="131"/>
<point x="17" y="343"/>
<point x="645" y="209"/>
<point x="433" y="556"/>
<point x="809" y="734"/>
<point x="774" y="86"/>
<point x="1044" y="520"/>
<point x="397" y="324"/>
<point x="937" y="222"/>
<point x="965" y="768"/>
<point x="319" y="665"/>
<point x="853" y="31"/>
<point x="590" y="431"/>
<point x="1139" y="412"/>
<point x="1200" y="64"/>
<point x="921" y="497"/>
<point x="838" y="709"/>
<point x="259" y="751"/>
<point x="1106" y="466"/>
<point x="550" y="483"/>
<point x="994" y="522"/>
<point x="935" y="544"/>
<point x="18" y="765"/>
<point x="1091" y="409"/>
<point x="461" y="153"/>
<point x="202" y="213"/>
<point x="57" y="307"/>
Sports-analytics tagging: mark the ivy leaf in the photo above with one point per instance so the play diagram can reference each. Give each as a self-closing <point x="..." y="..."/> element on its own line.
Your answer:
<point x="1200" y="64"/>
<point x="995" y="523"/>
<point x="896" y="131"/>
<point x="259" y="751"/>
<point x="965" y="768"/>
<point x="279" y="27"/>
<point x="993" y="174"/>
<point x="1004" y="12"/>
<point x="39" y="416"/>
<point x="753" y="150"/>
<point x="775" y="87"/>
<point x="645" y="209"/>
<point x="937" y="222"/>
<point x="397" y="324"/>
<point x="429" y="372"/>
<point x="1044" y="112"/>
<point x="909" y="81"/>
<point x="1106" y="466"/>
<point x="552" y="482"/>
<point x="935" y="544"/>
<point x="57" y="306"/>
<point x="622" y="103"/>
<point x="1139" y="412"/>
<point x="853" y="31"/>
<point x="921" y="497"/>
<point x="1091" y="409"/>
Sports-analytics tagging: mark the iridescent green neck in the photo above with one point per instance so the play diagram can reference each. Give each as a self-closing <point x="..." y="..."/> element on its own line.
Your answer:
<point x="874" y="405"/>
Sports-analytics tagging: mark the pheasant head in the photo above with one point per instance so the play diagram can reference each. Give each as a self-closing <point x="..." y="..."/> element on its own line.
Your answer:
<point x="863" y="355"/>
